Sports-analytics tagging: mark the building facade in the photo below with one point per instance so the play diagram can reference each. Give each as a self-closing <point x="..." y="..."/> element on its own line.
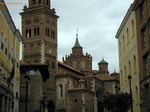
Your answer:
<point x="128" y="57"/>
<point x="142" y="9"/>
<point x="10" y="39"/>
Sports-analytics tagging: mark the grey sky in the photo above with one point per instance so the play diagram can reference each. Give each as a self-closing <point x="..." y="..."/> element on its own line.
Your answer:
<point x="97" y="21"/>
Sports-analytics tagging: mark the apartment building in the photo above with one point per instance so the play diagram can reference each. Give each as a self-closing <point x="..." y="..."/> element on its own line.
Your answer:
<point x="128" y="57"/>
<point x="10" y="39"/>
<point x="142" y="9"/>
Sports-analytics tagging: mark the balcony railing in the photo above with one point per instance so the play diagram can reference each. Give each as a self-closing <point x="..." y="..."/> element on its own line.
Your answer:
<point x="3" y="82"/>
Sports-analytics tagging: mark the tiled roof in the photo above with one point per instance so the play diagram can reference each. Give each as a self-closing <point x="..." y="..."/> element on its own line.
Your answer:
<point x="71" y="68"/>
<point x="105" y="77"/>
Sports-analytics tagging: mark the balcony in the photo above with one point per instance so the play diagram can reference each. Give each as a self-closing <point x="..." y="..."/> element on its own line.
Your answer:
<point x="3" y="82"/>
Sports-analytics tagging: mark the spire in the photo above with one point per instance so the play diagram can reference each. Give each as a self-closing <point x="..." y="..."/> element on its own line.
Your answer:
<point x="103" y="61"/>
<point x="77" y="44"/>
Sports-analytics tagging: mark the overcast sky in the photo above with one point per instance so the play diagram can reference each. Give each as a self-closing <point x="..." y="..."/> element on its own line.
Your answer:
<point x="97" y="21"/>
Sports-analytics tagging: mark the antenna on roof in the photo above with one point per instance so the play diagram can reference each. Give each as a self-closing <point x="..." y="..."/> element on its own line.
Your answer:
<point x="77" y="33"/>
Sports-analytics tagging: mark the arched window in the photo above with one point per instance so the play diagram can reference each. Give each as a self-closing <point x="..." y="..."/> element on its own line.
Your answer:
<point x="74" y="64"/>
<point x="38" y="31"/>
<point x="82" y="65"/>
<point x="46" y="31"/>
<point x="27" y="33"/>
<point x="34" y="31"/>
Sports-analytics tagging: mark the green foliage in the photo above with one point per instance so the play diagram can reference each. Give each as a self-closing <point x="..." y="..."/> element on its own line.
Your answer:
<point x="117" y="103"/>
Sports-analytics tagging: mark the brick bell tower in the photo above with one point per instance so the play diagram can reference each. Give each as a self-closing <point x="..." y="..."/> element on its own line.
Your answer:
<point x="39" y="33"/>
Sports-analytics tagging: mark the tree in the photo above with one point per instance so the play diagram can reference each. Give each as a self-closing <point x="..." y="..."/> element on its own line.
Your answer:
<point x="117" y="103"/>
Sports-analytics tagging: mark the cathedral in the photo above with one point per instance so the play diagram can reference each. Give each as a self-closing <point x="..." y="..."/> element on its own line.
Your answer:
<point x="49" y="85"/>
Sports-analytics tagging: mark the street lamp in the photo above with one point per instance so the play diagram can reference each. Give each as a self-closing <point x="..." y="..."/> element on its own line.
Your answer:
<point x="117" y="89"/>
<point x="44" y="102"/>
<point x="26" y="80"/>
<point x="129" y="79"/>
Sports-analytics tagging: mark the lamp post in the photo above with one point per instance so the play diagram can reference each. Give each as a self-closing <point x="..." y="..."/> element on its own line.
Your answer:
<point x="26" y="81"/>
<point x="43" y="102"/>
<point x="117" y="89"/>
<point x="129" y="79"/>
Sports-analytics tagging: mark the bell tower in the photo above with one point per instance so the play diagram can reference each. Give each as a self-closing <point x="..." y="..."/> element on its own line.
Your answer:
<point x="39" y="33"/>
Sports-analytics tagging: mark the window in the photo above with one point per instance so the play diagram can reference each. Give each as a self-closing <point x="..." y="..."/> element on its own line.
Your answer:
<point x="36" y="20"/>
<point x="144" y="38"/>
<point x="0" y="71"/>
<point x="74" y="64"/>
<point x="129" y="67"/>
<point x="141" y="12"/>
<point x="28" y="22"/>
<point x="133" y="31"/>
<point x="134" y="64"/>
<point x="82" y="65"/>
<point x="121" y="77"/>
<point x="38" y="31"/>
<point x="125" y="72"/>
<point x="47" y="2"/>
<point x="2" y="41"/>
<point x="34" y="31"/>
<point x="75" y="100"/>
<point x="127" y="35"/>
<point x="136" y="91"/>
<point x="52" y="34"/>
<point x="120" y="47"/>
<point x="146" y="59"/>
<point x="123" y="43"/>
<point x="34" y="1"/>
<point x="6" y="45"/>
<point x="61" y="90"/>
<point x="28" y="33"/>
<point x="48" y="32"/>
